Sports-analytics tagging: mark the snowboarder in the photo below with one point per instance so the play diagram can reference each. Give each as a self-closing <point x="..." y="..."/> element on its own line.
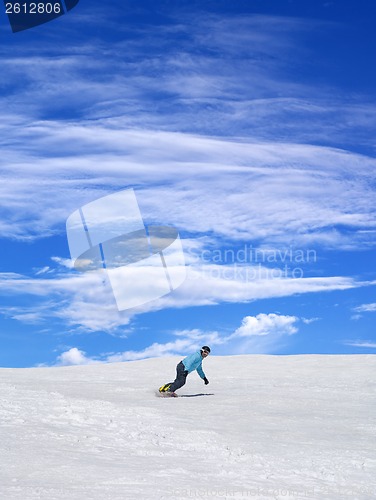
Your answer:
<point x="186" y="366"/>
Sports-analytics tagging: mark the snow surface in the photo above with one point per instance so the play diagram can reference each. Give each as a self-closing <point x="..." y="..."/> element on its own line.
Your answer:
<point x="265" y="427"/>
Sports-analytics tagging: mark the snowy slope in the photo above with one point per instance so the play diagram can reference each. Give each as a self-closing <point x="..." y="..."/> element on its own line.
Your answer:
<point x="265" y="427"/>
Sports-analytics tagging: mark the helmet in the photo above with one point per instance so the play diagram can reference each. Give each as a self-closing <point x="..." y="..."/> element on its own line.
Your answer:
<point x="205" y="348"/>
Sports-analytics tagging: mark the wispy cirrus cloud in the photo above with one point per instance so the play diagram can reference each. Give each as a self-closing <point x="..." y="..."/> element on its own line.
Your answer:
<point x="79" y="301"/>
<point x="265" y="191"/>
<point x="213" y="108"/>
<point x="86" y="301"/>
<point x="366" y="308"/>
<point x="193" y="76"/>
<point x="200" y="52"/>
<point x="361" y="344"/>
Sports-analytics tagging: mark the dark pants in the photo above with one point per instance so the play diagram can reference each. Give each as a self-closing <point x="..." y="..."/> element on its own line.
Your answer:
<point x="181" y="377"/>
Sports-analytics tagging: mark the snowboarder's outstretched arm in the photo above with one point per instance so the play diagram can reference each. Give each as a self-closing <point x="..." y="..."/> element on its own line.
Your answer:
<point x="200" y="371"/>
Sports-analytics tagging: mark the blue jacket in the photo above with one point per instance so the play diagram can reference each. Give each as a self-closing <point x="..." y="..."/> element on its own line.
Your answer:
<point x="194" y="362"/>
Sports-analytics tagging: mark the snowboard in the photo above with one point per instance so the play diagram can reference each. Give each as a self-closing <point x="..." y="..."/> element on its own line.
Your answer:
<point x="166" y="394"/>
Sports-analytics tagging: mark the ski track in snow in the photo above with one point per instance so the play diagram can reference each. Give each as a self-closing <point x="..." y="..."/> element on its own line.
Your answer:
<point x="273" y="427"/>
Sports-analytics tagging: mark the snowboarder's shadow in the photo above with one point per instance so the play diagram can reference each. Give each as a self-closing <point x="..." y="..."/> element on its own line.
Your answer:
<point x="196" y="395"/>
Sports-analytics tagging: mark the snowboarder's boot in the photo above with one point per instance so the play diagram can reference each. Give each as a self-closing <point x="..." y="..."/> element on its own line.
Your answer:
<point x="164" y="387"/>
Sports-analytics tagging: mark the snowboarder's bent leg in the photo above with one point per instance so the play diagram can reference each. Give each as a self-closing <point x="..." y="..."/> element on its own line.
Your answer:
<point x="181" y="377"/>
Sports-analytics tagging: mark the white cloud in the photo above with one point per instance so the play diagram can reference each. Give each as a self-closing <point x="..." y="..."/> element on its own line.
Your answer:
<point x="261" y="334"/>
<point x="266" y="324"/>
<point x="181" y="346"/>
<point x="355" y="317"/>
<point x="308" y="321"/>
<point x="155" y="350"/>
<point x="209" y="81"/>
<point x="276" y="193"/>
<point x="212" y="284"/>
<point x="195" y="58"/>
<point x="43" y="270"/>
<point x="73" y="357"/>
<point x="210" y="155"/>
<point x="366" y="308"/>
<point x="368" y="345"/>
<point x="85" y="301"/>
<point x="68" y="263"/>
<point x="257" y="334"/>
<point x="30" y="316"/>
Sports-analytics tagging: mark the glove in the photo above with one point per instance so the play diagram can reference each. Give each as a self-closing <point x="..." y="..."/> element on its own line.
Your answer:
<point x="206" y="381"/>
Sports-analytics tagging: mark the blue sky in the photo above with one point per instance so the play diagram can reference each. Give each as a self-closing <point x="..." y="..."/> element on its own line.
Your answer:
<point x="249" y="126"/>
